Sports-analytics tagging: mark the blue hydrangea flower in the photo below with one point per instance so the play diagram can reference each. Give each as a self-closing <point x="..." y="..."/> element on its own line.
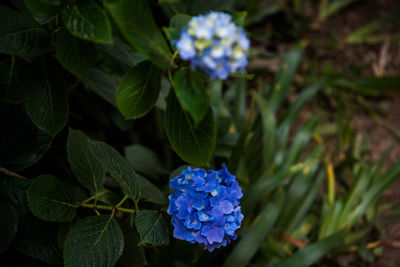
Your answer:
<point x="205" y="207"/>
<point x="214" y="44"/>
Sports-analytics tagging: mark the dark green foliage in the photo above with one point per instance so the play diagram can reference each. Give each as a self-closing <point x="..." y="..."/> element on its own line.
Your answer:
<point x="8" y="224"/>
<point x="88" y="21"/>
<point x="118" y="167"/>
<point x="76" y="55"/>
<point x="110" y="70"/>
<point x="51" y="200"/>
<point x="191" y="92"/>
<point x="88" y="171"/>
<point x="152" y="228"/>
<point x="135" y="21"/>
<point x="46" y="99"/>
<point x="194" y="143"/>
<point x="20" y="35"/>
<point x="94" y="241"/>
<point x="21" y="142"/>
<point x="138" y="90"/>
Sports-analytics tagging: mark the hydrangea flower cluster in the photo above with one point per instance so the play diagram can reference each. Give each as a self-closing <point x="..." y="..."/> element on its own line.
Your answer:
<point x="214" y="44"/>
<point x="205" y="207"/>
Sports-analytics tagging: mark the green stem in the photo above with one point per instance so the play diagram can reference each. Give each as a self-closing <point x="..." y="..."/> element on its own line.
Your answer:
<point x="103" y="207"/>
<point x="122" y="201"/>
<point x="93" y="197"/>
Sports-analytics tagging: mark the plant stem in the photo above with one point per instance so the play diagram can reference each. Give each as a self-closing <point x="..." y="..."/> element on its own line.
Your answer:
<point x="93" y="197"/>
<point x="10" y="173"/>
<point x="103" y="207"/>
<point x="121" y="202"/>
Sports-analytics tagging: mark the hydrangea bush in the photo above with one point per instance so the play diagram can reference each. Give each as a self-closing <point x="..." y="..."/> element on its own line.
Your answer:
<point x="109" y="63"/>
<point x="214" y="44"/>
<point x="205" y="207"/>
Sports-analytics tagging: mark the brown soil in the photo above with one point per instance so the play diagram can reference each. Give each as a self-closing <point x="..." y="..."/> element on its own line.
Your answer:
<point x="383" y="59"/>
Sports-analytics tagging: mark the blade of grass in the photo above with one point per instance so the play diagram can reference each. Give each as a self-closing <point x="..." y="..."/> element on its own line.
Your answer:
<point x="255" y="235"/>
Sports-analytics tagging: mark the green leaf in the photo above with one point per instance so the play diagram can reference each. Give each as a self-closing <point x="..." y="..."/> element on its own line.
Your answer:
<point x="239" y="18"/>
<point x="43" y="12"/>
<point x="284" y="77"/>
<point x="138" y="90"/>
<point x="8" y="224"/>
<point x="327" y="10"/>
<point x="51" y="200"/>
<point x="102" y="84"/>
<point x="255" y="235"/>
<point x="135" y="20"/>
<point x="21" y="142"/>
<point x="133" y="254"/>
<point x="52" y="2"/>
<point x="76" y="55"/>
<point x="151" y="193"/>
<point x="21" y="36"/>
<point x="269" y="131"/>
<point x="122" y="52"/>
<point x="152" y="228"/>
<point x="191" y="92"/>
<point x="46" y="99"/>
<point x="118" y="167"/>
<point x="94" y="241"/>
<point x="38" y="240"/>
<point x="11" y="81"/>
<point x="88" y="171"/>
<point x="87" y="20"/>
<point x="144" y="160"/>
<point x="176" y="24"/>
<point x="15" y="191"/>
<point x="310" y="254"/>
<point x="194" y="144"/>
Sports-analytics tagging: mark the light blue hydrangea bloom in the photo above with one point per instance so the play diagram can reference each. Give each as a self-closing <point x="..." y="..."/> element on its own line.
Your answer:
<point x="205" y="207"/>
<point x="214" y="44"/>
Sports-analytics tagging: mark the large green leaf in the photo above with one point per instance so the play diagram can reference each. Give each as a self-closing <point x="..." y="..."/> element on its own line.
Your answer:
<point x="122" y="52"/>
<point x="38" y="240"/>
<point x="191" y="92"/>
<point x="255" y="235"/>
<point x="152" y="228"/>
<point x="94" y="241"/>
<point x="118" y="167"/>
<point x="310" y="254"/>
<point x="21" y="36"/>
<point x="8" y="224"/>
<point x="21" y="143"/>
<point x="194" y="144"/>
<point x="138" y="91"/>
<point x="11" y="82"/>
<point x="76" y="55"/>
<point x="102" y="84"/>
<point x="43" y="12"/>
<point x="135" y="20"/>
<point x="87" y="20"/>
<point x="144" y="160"/>
<point x="51" y="200"/>
<point x="46" y="99"/>
<point x="89" y="172"/>
<point x="151" y="193"/>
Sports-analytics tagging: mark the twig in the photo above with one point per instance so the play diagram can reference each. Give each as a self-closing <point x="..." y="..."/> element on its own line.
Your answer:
<point x="10" y="173"/>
